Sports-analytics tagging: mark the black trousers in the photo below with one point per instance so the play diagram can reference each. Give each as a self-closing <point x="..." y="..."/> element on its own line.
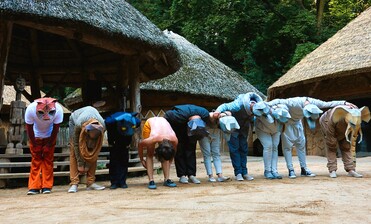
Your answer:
<point x="185" y="157"/>
<point x="119" y="161"/>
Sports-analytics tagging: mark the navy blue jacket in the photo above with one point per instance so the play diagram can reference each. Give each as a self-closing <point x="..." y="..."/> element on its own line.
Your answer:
<point x="180" y="114"/>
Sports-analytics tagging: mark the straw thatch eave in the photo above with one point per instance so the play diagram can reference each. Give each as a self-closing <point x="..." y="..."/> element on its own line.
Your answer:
<point x="200" y="75"/>
<point x="342" y="63"/>
<point x="111" y="25"/>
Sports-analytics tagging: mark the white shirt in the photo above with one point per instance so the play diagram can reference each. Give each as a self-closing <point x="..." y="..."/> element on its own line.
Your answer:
<point x="43" y="128"/>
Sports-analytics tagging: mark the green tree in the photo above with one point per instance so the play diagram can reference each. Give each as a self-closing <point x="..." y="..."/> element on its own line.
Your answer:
<point x="259" y="39"/>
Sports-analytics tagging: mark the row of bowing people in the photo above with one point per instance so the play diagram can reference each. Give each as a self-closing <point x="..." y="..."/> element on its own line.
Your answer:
<point x="174" y="137"/>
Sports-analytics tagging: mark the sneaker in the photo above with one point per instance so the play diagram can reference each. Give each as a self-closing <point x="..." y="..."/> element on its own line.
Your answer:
<point x="222" y="179"/>
<point x="239" y="177"/>
<point x="333" y="174"/>
<point x="152" y="185"/>
<point x="33" y="192"/>
<point x="114" y="186"/>
<point x="73" y="188"/>
<point x="268" y="175"/>
<point x="183" y="180"/>
<point x="248" y="177"/>
<point x="169" y="183"/>
<point x="46" y="191"/>
<point x="306" y="172"/>
<point x="212" y="179"/>
<point x="124" y="186"/>
<point x="194" y="179"/>
<point x="95" y="186"/>
<point x="292" y="174"/>
<point x="276" y="175"/>
<point x="353" y="173"/>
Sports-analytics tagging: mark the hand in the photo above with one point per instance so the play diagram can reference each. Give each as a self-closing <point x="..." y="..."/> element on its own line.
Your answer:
<point x="46" y="148"/>
<point x="351" y="105"/>
<point x="81" y="167"/>
<point x="37" y="148"/>
<point x="144" y="163"/>
<point x="86" y="167"/>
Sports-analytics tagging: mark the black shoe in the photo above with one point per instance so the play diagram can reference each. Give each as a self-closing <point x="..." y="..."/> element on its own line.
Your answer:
<point x="46" y="191"/>
<point x="152" y="185"/>
<point x="124" y="186"/>
<point x="114" y="186"/>
<point x="169" y="183"/>
<point x="33" y="191"/>
<point x="306" y="172"/>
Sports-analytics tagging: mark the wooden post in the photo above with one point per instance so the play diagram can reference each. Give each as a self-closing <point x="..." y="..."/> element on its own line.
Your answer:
<point x="122" y="81"/>
<point x="5" y="40"/>
<point x="134" y="86"/>
<point x="135" y="97"/>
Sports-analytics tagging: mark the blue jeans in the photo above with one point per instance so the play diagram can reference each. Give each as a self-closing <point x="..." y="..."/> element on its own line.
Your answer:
<point x="210" y="147"/>
<point x="238" y="152"/>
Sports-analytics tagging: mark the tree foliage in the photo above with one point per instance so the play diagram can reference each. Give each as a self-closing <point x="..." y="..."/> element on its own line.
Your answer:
<point x="260" y="39"/>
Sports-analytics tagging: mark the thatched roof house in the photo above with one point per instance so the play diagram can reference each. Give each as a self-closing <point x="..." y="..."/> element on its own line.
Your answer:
<point x="338" y="69"/>
<point x="71" y="42"/>
<point x="202" y="80"/>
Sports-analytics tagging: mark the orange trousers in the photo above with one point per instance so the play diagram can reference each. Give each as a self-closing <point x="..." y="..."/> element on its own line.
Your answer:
<point x="74" y="172"/>
<point x="41" y="171"/>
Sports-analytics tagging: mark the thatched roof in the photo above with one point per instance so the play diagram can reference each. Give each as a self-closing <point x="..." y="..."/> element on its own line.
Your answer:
<point x="335" y="68"/>
<point x="202" y="80"/>
<point x="62" y="40"/>
<point x="200" y="75"/>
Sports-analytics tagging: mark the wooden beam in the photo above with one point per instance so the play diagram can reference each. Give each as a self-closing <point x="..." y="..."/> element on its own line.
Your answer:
<point x="43" y="70"/>
<point x="5" y="40"/>
<point x="90" y="38"/>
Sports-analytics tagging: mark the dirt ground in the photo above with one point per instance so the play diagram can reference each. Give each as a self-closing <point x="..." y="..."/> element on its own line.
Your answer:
<point x="302" y="200"/>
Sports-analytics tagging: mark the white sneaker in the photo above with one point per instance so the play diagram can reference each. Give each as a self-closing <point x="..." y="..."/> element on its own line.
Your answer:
<point x="95" y="186"/>
<point x="353" y="173"/>
<point x="333" y="174"/>
<point x="73" y="188"/>
<point x="239" y="177"/>
<point x="194" y="179"/>
<point x="183" y="180"/>
<point x="248" y="177"/>
<point x="222" y="179"/>
<point x="212" y="179"/>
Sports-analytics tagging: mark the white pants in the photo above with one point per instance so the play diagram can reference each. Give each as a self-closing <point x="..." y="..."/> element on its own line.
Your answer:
<point x="210" y="147"/>
<point x="293" y="135"/>
<point x="270" y="149"/>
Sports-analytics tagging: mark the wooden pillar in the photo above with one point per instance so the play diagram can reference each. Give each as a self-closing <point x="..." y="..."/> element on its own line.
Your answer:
<point x="134" y="86"/>
<point x="5" y="40"/>
<point x="135" y="103"/>
<point x="122" y="83"/>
